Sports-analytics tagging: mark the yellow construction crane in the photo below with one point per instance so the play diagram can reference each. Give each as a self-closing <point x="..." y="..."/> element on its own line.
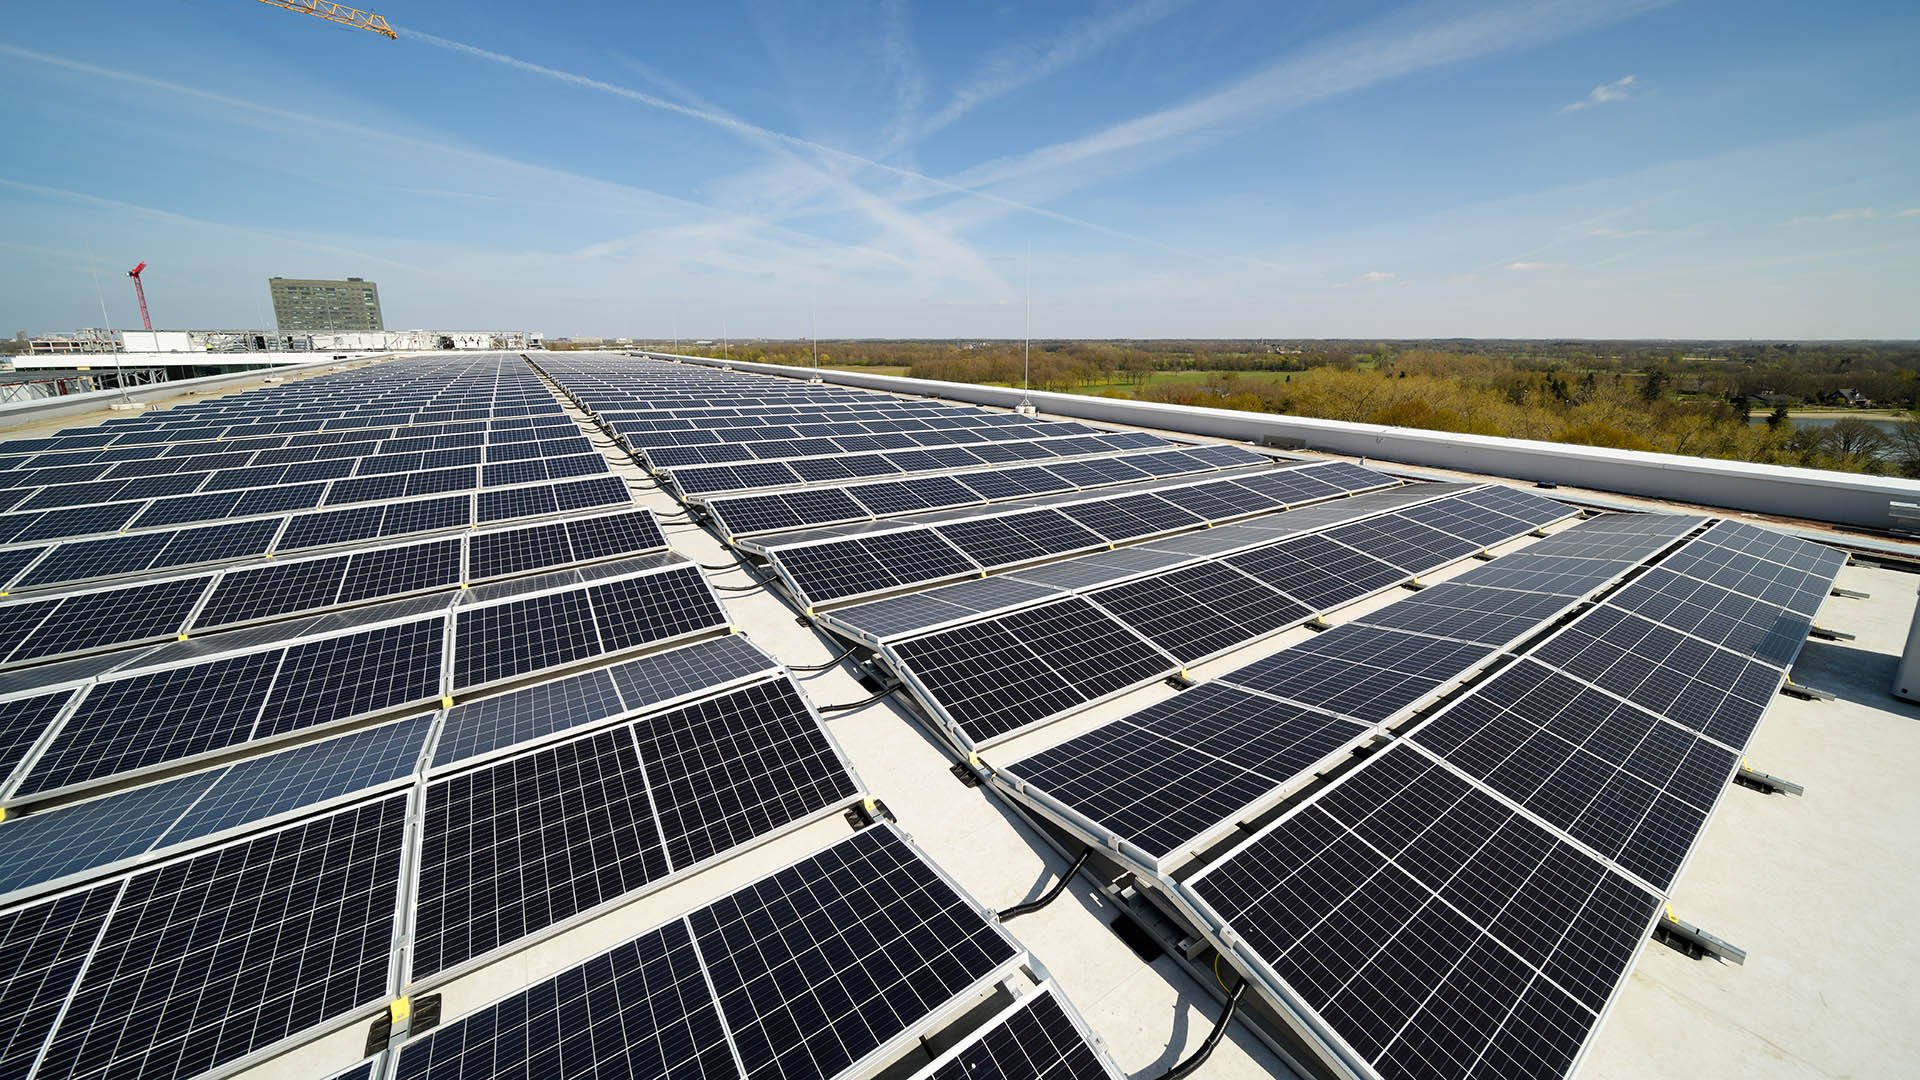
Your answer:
<point x="339" y="13"/>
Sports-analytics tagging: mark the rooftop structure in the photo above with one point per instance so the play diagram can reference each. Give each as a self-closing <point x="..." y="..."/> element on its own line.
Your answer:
<point x="308" y="305"/>
<point x="473" y="715"/>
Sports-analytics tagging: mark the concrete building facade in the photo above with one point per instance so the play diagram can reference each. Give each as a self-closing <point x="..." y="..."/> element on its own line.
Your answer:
<point x="302" y="305"/>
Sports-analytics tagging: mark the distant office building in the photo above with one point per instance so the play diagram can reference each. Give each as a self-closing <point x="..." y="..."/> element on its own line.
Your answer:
<point x="306" y="305"/>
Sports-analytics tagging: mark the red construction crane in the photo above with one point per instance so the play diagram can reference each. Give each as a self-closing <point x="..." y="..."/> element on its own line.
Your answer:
<point x="140" y="294"/>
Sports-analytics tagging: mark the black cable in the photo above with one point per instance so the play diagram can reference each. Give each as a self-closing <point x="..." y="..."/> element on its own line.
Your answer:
<point x="1199" y="1057"/>
<point x="748" y="587"/>
<point x="1047" y="897"/>
<point x="889" y="691"/>
<point x="851" y="649"/>
<point x="723" y="569"/>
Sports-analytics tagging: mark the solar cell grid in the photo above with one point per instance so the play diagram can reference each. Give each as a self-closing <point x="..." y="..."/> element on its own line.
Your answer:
<point x="641" y="1009"/>
<point x="1200" y="610"/>
<point x="1165" y="775"/>
<point x="1035" y="1039"/>
<point x="324" y="681"/>
<point x="1318" y="571"/>
<point x="1016" y="538"/>
<point x="740" y="766"/>
<point x="823" y="915"/>
<point x="42" y="948"/>
<point x="513" y="848"/>
<point x="1711" y="690"/>
<point x="635" y="611"/>
<point x="154" y="717"/>
<point x="1404" y="880"/>
<point x="97" y="620"/>
<point x="209" y="958"/>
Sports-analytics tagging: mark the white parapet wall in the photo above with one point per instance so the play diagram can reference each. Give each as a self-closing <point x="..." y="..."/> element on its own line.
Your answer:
<point x="1814" y="494"/>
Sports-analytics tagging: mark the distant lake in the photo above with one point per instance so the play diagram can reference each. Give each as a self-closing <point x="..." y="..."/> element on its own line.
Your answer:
<point x="1881" y="422"/>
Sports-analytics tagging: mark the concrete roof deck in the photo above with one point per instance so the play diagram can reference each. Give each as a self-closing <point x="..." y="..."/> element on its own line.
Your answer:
<point x="1818" y="889"/>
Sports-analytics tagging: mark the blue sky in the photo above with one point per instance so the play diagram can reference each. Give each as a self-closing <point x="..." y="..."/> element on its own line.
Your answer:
<point x="1178" y="168"/>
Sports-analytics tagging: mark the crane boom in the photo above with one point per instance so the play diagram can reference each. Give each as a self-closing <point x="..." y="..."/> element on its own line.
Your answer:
<point x="140" y="294"/>
<point x="340" y="13"/>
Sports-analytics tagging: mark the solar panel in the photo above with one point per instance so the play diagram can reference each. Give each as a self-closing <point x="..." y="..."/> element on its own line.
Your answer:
<point x="1007" y="673"/>
<point x="1431" y="929"/>
<point x="635" y="611"/>
<point x="1361" y="672"/>
<point x="740" y="766"/>
<point x="842" y="569"/>
<point x="1722" y="617"/>
<point x="265" y="591"/>
<point x="899" y="615"/>
<point x="641" y="1009"/>
<point x="1162" y="777"/>
<point x="1319" y="572"/>
<point x="1620" y="780"/>
<point x="50" y="845"/>
<point x="663" y="677"/>
<point x="22" y="720"/>
<point x="513" y="848"/>
<point x="811" y="981"/>
<point x="211" y="957"/>
<point x="357" y="674"/>
<point x="1036" y="1037"/>
<point x="154" y="717"/>
<point x="42" y="948"/>
<point x="1017" y="538"/>
<point x="1200" y="610"/>
<point x="1469" y="612"/>
<point x="1714" y="691"/>
<point x="1409" y="545"/>
<point x="397" y="571"/>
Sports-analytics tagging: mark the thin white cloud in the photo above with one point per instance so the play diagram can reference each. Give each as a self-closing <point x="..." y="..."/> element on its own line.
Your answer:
<point x="1909" y="212"/>
<point x="1857" y="213"/>
<point x="1529" y="267"/>
<point x="762" y="135"/>
<point x="1027" y="62"/>
<point x="1604" y="233"/>
<point x="1375" y="277"/>
<point x="1387" y="50"/>
<point x="902" y="61"/>
<point x="1606" y="93"/>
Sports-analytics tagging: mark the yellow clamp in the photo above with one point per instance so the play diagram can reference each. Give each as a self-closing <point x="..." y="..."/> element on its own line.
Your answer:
<point x="179" y="637"/>
<point x="446" y="701"/>
<point x="973" y="759"/>
<point x="1671" y="917"/>
<point x="398" y="1011"/>
<point x="464" y="586"/>
<point x="3" y="813"/>
<point x="871" y="805"/>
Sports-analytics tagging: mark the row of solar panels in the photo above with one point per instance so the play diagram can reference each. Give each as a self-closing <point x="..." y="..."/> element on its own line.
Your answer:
<point x="1470" y="900"/>
<point x="743" y="516"/>
<point x="80" y="722"/>
<point x="657" y="427"/>
<point x="1060" y="651"/>
<point x="740" y="453"/>
<point x="210" y="920"/>
<point x="256" y="426"/>
<point x="832" y="966"/>
<point x="1164" y="782"/>
<point x="141" y="510"/>
<point x="714" y="479"/>
<point x="26" y="565"/>
<point x="46" y="627"/>
<point x="842" y="565"/>
<point x="733" y="439"/>
<point x="258" y="462"/>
